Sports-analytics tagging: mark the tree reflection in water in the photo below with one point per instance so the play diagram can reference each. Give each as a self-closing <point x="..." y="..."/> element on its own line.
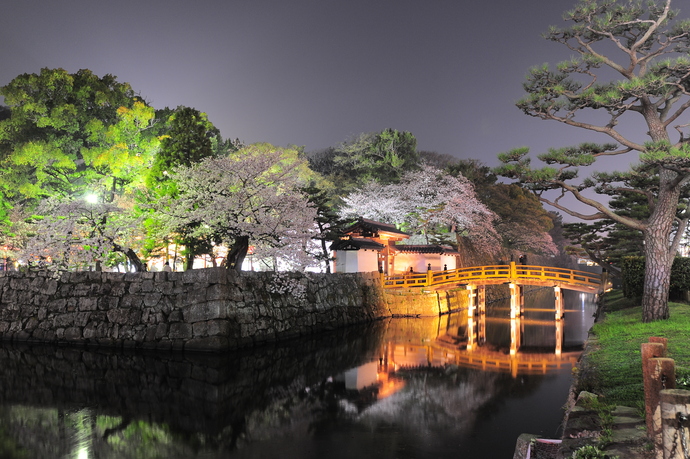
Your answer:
<point x="396" y="388"/>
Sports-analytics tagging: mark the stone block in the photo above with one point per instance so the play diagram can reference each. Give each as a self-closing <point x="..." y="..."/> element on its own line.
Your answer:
<point x="112" y="277"/>
<point x="90" y="331"/>
<point x="132" y="302"/>
<point x="166" y="288"/>
<point x="161" y="331"/>
<point x="151" y="299"/>
<point x="81" y="318"/>
<point x="192" y="276"/>
<point x="204" y="311"/>
<point x="147" y="285"/>
<point x="216" y="292"/>
<point x="139" y="335"/>
<point x="180" y="331"/>
<point x="88" y="304"/>
<point x="219" y="327"/>
<point x="63" y="320"/>
<point x="134" y="288"/>
<point x="175" y="316"/>
<point x="208" y="343"/>
<point x="200" y="329"/>
<point x="21" y="335"/>
<point x="217" y="275"/>
<point x="118" y="316"/>
<point x="73" y="334"/>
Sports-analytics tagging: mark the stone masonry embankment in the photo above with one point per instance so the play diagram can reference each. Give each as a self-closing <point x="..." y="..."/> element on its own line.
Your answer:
<point x="208" y="309"/>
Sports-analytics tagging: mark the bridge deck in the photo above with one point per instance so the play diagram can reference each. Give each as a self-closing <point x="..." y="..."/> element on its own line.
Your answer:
<point x="548" y="276"/>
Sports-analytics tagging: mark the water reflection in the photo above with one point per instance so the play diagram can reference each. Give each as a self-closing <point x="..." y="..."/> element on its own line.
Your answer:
<point x="398" y="388"/>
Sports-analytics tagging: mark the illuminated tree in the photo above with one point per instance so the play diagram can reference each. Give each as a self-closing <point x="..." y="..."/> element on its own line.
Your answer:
<point x="75" y="233"/>
<point x="186" y="141"/>
<point x="645" y="48"/>
<point x="68" y="132"/>
<point x="382" y="156"/>
<point x="522" y="222"/>
<point x="428" y="202"/>
<point x="328" y="223"/>
<point x="252" y="196"/>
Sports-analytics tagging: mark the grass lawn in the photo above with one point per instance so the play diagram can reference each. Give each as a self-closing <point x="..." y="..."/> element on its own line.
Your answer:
<point x="614" y="367"/>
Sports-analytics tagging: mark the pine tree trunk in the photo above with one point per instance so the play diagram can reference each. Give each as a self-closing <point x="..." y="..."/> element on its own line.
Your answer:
<point x="658" y="249"/>
<point x="657" y="277"/>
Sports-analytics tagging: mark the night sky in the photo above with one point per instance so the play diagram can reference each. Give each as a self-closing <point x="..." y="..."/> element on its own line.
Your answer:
<point x="312" y="72"/>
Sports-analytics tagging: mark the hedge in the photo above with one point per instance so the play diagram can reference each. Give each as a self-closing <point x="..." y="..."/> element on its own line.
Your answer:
<point x="633" y="276"/>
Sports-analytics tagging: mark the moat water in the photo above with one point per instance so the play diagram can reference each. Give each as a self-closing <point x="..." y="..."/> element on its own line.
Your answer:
<point x="443" y="387"/>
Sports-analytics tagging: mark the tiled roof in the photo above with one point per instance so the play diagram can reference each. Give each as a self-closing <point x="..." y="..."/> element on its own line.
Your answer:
<point x="356" y="243"/>
<point x="364" y="225"/>
<point x="443" y="250"/>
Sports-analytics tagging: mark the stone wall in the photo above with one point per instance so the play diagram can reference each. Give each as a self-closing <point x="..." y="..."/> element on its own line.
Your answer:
<point x="206" y="309"/>
<point x="420" y="303"/>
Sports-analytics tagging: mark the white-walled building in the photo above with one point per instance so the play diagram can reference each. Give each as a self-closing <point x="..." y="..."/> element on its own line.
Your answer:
<point x="372" y="246"/>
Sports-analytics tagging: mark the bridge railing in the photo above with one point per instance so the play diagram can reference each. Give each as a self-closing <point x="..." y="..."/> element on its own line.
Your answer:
<point x="493" y="274"/>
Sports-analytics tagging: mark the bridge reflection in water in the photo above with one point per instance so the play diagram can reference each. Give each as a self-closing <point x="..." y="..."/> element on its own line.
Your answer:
<point x="533" y="343"/>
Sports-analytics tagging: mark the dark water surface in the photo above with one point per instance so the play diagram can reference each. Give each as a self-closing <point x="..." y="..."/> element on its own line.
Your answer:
<point x="444" y="387"/>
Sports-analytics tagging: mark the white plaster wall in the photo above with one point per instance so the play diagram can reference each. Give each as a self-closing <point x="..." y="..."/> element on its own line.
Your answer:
<point x="356" y="261"/>
<point x="418" y="261"/>
<point x="450" y="261"/>
<point x="345" y="261"/>
<point x="368" y="261"/>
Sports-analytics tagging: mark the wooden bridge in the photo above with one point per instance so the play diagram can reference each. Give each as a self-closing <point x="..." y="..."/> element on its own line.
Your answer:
<point x="476" y="278"/>
<point x="512" y="273"/>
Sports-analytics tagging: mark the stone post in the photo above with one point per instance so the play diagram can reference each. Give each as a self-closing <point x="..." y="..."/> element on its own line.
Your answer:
<point x="675" y="410"/>
<point x="658" y="373"/>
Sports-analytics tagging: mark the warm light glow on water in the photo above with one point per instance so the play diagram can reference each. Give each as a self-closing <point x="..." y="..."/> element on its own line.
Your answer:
<point x="402" y="388"/>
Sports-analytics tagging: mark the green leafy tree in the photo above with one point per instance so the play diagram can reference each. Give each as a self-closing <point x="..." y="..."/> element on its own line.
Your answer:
<point x="186" y="140"/>
<point x="67" y="132"/>
<point x="607" y="242"/>
<point x="383" y="156"/>
<point x="522" y="222"/>
<point x="646" y="46"/>
<point x="328" y="222"/>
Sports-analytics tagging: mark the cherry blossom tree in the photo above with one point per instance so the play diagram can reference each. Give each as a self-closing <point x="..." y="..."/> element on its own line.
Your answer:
<point x="75" y="233"/>
<point x="426" y="201"/>
<point x="252" y="195"/>
<point x="525" y="239"/>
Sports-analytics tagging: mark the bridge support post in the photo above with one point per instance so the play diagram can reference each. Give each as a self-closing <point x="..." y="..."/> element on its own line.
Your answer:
<point x="515" y="293"/>
<point x="481" y="299"/>
<point x="559" y="337"/>
<point x="515" y="335"/>
<point x="481" y="330"/>
<point x="471" y="300"/>
<point x="559" y="302"/>
<point x="470" y="333"/>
